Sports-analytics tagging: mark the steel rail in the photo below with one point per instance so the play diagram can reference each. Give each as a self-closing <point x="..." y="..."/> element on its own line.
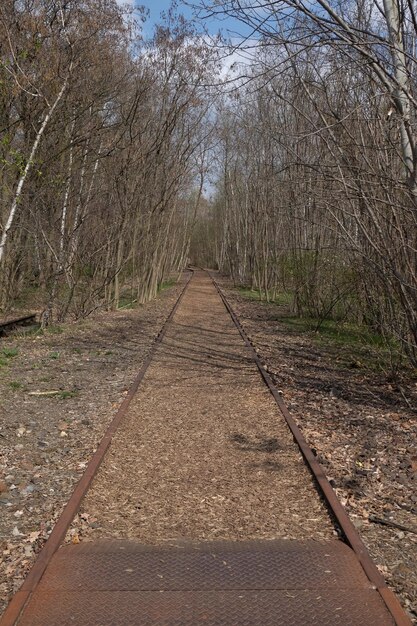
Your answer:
<point x="21" y="597"/>
<point x="10" y="324"/>
<point x="348" y="529"/>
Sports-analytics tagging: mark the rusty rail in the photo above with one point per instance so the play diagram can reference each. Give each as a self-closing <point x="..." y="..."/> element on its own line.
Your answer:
<point x="21" y="597"/>
<point x="12" y="324"/>
<point x="348" y="529"/>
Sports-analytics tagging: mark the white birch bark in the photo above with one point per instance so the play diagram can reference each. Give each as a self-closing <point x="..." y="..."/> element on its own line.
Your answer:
<point x="401" y="75"/>
<point x="26" y="171"/>
<point x="66" y="200"/>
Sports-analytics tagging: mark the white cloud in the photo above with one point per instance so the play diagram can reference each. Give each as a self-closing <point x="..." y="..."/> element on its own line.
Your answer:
<point x="236" y="58"/>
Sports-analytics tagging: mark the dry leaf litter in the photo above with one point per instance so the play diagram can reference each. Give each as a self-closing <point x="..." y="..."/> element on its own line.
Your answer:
<point x="58" y="392"/>
<point x="363" y="427"/>
<point x="204" y="452"/>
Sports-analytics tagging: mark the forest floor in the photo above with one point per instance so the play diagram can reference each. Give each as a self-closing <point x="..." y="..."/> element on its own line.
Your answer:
<point x="47" y="440"/>
<point x="362" y="425"/>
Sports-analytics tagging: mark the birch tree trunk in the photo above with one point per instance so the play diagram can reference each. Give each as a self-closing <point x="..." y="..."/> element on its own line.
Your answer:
<point x="27" y="169"/>
<point x="402" y="88"/>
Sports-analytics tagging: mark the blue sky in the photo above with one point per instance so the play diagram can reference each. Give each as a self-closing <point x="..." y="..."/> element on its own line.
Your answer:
<point x="157" y="6"/>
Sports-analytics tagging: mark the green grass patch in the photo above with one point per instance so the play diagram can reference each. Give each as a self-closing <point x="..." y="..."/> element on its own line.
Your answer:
<point x="354" y="346"/>
<point x="343" y="333"/>
<point x="6" y="354"/>
<point x="54" y="355"/>
<point x="65" y="395"/>
<point x="15" y="385"/>
<point x="127" y="302"/>
<point x="54" y="329"/>
<point x="9" y="353"/>
<point x="251" y="294"/>
<point x="166" y="284"/>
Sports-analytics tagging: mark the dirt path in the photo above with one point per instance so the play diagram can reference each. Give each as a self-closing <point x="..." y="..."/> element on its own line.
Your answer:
<point x="204" y="452"/>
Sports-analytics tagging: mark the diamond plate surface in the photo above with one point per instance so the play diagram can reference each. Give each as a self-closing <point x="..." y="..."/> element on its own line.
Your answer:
<point x="256" y="565"/>
<point x="268" y="583"/>
<point x="215" y="608"/>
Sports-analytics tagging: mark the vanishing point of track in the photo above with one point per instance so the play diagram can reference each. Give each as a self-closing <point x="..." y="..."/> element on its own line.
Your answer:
<point x="270" y="582"/>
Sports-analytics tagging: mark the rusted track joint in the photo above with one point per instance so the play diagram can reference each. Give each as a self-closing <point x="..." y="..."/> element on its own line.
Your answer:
<point x="21" y="597"/>
<point x="351" y="535"/>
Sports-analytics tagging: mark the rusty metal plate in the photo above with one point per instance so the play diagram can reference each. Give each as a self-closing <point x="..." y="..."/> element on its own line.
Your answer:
<point x="268" y="583"/>
<point x="211" y="608"/>
<point x="183" y="566"/>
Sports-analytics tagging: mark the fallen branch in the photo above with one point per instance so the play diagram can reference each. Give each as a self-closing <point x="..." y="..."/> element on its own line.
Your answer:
<point x="409" y="404"/>
<point x="387" y="522"/>
<point x="45" y="393"/>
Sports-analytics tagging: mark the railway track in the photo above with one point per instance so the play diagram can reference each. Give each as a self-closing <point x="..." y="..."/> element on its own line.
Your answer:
<point x="196" y="589"/>
<point x="349" y="531"/>
<point x="10" y="325"/>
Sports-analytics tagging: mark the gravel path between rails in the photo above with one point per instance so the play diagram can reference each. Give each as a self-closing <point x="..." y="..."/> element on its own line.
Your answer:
<point x="204" y="452"/>
<point x="363" y="431"/>
<point x="46" y="441"/>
